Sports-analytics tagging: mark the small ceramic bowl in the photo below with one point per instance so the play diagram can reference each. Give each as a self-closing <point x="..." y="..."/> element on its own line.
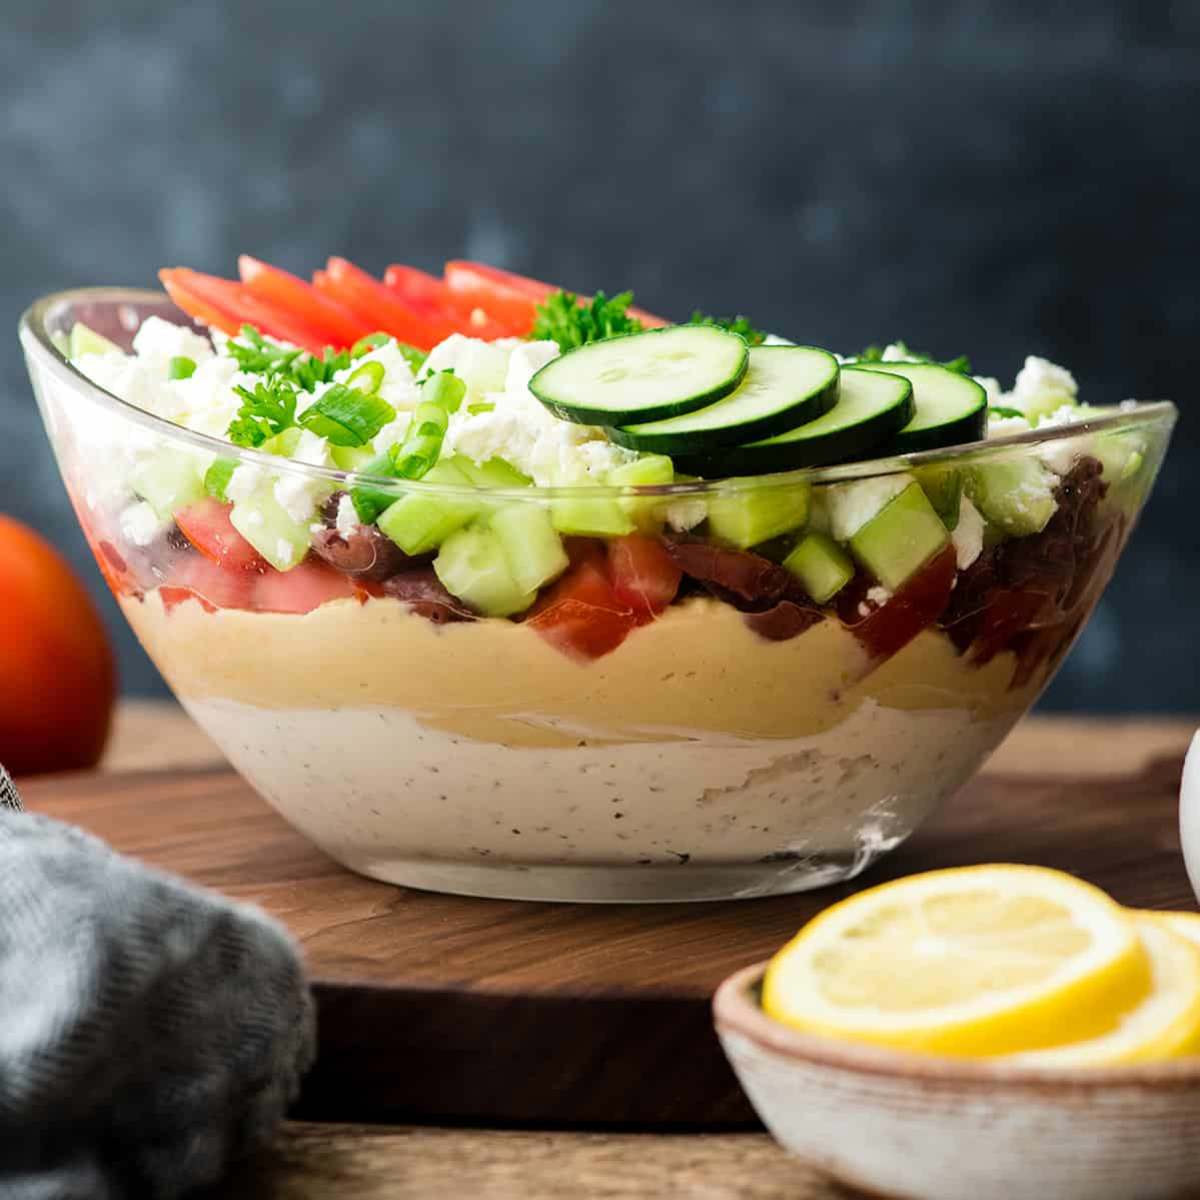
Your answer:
<point x="924" y="1128"/>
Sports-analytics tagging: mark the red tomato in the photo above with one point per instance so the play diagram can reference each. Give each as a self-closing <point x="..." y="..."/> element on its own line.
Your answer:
<point x="302" y="300"/>
<point x="914" y="606"/>
<point x="510" y="298"/>
<point x="301" y="589"/>
<point x="213" y="584"/>
<point x="207" y="526"/>
<point x="55" y="662"/>
<point x="580" y="615"/>
<point x="380" y="307"/>
<point x="224" y="296"/>
<point x="644" y="577"/>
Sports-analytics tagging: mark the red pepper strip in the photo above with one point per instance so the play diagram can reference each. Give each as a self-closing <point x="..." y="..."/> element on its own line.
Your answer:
<point x="281" y="288"/>
<point x="381" y="308"/>
<point x="230" y="298"/>
<point x="195" y="306"/>
<point x="431" y="295"/>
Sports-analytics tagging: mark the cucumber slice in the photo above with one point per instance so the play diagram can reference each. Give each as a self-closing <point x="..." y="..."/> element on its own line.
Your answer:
<point x="472" y="566"/>
<point x="745" y="519"/>
<point x="785" y="386"/>
<point x="419" y="522"/>
<point x="871" y="407"/>
<point x="267" y="526"/>
<point x="168" y="482"/>
<point x="821" y="565"/>
<point x="533" y="550"/>
<point x="900" y="539"/>
<point x="87" y="341"/>
<point x="642" y="376"/>
<point x="1016" y="496"/>
<point x="951" y="408"/>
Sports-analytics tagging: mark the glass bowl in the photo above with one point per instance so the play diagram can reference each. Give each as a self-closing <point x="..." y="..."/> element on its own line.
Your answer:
<point x="743" y="741"/>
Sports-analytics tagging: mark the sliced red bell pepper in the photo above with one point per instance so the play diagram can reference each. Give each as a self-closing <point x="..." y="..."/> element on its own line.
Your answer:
<point x="581" y="615"/>
<point x="644" y="576"/>
<point x="380" y="307"/>
<point x="225" y="296"/>
<point x="195" y="305"/>
<point x="207" y="526"/>
<point x="430" y="294"/>
<point x="278" y="287"/>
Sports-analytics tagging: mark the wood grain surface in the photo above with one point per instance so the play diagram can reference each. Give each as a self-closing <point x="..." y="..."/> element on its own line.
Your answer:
<point x="443" y="1007"/>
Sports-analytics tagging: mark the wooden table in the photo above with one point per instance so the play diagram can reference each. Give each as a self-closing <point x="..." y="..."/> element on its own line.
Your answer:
<point x="320" y="1162"/>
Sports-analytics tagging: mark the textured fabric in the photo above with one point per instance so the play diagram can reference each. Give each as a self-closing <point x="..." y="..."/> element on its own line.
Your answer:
<point x="150" y="1032"/>
<point x="8" y="791"/>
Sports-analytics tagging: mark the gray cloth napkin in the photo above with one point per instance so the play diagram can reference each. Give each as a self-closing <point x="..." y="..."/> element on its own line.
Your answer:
<point x="150" y="1032"/>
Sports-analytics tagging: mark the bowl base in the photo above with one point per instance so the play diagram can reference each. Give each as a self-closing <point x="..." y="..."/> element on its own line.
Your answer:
<point x="615" y="884"/>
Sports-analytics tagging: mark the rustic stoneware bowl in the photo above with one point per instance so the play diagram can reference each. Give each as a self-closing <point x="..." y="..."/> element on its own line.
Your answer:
<point x="923" y="1128"/>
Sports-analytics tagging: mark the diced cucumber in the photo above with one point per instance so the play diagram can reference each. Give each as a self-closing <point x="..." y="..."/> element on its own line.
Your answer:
<point x="849" y="506"/>
<point x="351" y="458"/>
<point x="266" y="525"/>
<point x="533" y="550"/>
<point x="472" y="566"/>
<point x="421" y="521"/>
<point x="282" y="444"/>
<point x="901" y="539"/>
<point x="650" y="470"/>
<point x="591" y="518"/>
<point x="494" y="473"/>
<point x="821" y="565"/>
<point x="784" y="387"/>
<point x="639" y="377"/>
<point x="943" y="486"/>
<point x="1016" y="495"/>
<point x="745" y="519"/>
<point x="168" y="481"/>
<point x="951" y="408"/>
<point x="87" y="341"/>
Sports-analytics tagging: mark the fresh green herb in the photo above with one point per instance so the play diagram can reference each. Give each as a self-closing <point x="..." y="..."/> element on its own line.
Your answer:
<point x="345" y="416"/>
<point x="181" y="367"/>
<point x="216" y="478"/>
<point x="739" y="325"/>
<point x="411" y="355"/>
<point x="416" y="455"/>
<point x="266" y="411"/>
<point x="563" y="319"/>
<point x="961" y="364"/>
<point x="998" y="410"/>
<point x="256" y="355"/>
<point x="307" y="371"/>
<point x="367" y="378"/>
<point x="483" y="406"/>
<point x="444" y="389"/>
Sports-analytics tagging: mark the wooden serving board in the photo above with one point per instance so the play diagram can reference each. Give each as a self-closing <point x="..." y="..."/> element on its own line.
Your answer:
<point x="446" y="1008"/>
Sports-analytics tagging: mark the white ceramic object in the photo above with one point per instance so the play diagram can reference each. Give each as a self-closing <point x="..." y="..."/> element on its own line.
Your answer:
<point x="1189" y="814"/>
<point x="924" y="1128"/>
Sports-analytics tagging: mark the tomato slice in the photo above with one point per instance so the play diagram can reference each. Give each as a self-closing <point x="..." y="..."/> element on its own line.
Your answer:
<point x="380" y="307"/>
<point x="207" y="526"/>
<point x="278" y="287"/>
<point x="509" y="298"/>
<point x="644" y="576"/>
<point x="225" y="296"/>
<point x="581" y="615"/>
<point x="213" y="584"/>
<point x="431" y="295"/>
<point x="301" y="589"/>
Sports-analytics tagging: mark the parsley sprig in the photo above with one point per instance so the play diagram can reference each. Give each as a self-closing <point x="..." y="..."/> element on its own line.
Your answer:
<point x="563" y="319"/>
<point x="267" y="410"/>
<point x="256" y="355"/>
<point x="739" y="325"/>
<point x="961" y="364"/>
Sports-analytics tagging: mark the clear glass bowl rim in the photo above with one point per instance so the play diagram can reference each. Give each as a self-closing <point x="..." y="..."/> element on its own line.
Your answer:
<point x="36" y="339"/>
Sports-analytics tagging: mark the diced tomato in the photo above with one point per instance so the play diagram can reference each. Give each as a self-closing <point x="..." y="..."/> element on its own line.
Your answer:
<point x="214" y="585"/>
<point x="380" y="307"/>
<point x="430" y="294"/>
<point x="203" y="295"/>
<point x="301" y="589"/>
<point x="644" y="576"/>
<point x="301" y="299"/>
<point x="914" y="606"/>
<point x="581" y="615"/>
<point x="114" y="568"/>
<point x="207" y="526"/>
<point x="172" y="597"/>
<point x="507" y="297"/>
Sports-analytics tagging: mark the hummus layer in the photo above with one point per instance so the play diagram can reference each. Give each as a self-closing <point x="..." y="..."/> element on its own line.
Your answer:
<point x="698" y="669"/>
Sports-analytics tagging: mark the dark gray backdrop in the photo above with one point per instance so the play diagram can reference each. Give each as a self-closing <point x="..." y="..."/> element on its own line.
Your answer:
<point x="999" y="179"/>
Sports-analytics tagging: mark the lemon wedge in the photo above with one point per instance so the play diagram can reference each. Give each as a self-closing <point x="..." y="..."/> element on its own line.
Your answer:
<point x="1184" y="923"/>
<point x="1165" y="1025"/>
<point x="971" y="961"/>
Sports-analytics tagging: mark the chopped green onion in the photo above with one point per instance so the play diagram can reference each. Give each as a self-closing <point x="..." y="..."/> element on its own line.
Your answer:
<point x="998" y="410"/>
<point x="346" y="416"/>
<point x="367" y="378"/>
<point x="181" y="367"/>
<point x="481" y="407"/>
<point x="369" y="502"/>
<point x="365" y="345"/>
<point x="423" y="443"/>
<point x="216" y="478"/>
<point x="411" y="355"/>
<point x="444" y="389"/>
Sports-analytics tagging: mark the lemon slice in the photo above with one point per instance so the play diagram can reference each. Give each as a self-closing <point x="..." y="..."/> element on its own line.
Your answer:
<point x="1184" y="923"/>
<point x="1165" y="1025"/>
<point x="972" y="961"/>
